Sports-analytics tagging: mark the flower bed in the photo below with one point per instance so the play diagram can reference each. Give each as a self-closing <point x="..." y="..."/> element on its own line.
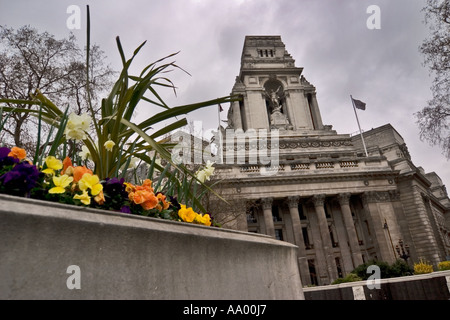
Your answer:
<point x="61" y="181"/>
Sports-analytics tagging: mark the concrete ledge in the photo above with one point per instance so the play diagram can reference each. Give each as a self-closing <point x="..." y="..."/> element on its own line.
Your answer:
<point x="123" y="256"/>
<point x="430" y="286"/>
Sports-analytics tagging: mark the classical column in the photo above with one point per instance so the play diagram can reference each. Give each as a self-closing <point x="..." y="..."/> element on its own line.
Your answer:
<point x="268" y="219"/>
<point x="377" y="204"/>
<point x="319" y="201"/>
<point x="344" y="202"/>
<point x="298" y="238"/>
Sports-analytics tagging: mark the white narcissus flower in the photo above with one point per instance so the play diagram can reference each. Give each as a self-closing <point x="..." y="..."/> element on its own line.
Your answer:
<point x="206" y="173"/>
<point x="85" y="154"/>
<point x="77" y="125"/>
<point x="109" y="145"/>
<point x="201" y="176"/>
<point x="209" y="169"/>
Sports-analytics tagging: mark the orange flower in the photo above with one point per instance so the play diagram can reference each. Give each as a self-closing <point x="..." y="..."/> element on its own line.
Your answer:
<point x="78" y="173"/>
<point x="142" y="195"/>
<point x="147" y="184"/>
<point x="100" y="198"/>
<point x="66" y="164"/>
<point x="17" y="153"/>
<point x="162" y="203"/>
<point x="150" y="203"/>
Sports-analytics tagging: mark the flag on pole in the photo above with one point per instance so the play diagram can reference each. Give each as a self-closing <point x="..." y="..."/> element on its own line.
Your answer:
<point x="359" y="104"/>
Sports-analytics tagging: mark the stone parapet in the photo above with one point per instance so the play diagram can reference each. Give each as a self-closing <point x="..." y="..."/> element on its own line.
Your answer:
<point x="430" y="286"/>
<point x="120" y="256"/>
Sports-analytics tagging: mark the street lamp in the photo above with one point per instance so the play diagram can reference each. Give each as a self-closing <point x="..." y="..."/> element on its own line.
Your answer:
<point x="402" y="250"/>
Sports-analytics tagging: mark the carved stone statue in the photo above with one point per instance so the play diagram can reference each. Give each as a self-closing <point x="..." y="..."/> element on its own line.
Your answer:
<point x="274" y="98"/>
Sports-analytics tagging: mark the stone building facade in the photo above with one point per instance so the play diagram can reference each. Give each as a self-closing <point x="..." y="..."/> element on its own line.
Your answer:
<point x="339" y="206"/>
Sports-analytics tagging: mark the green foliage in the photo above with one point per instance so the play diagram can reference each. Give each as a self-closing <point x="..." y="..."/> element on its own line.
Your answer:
<point x="351" y="277"/>
<point x="398" y="269"/>
<point x="131" y="140"/>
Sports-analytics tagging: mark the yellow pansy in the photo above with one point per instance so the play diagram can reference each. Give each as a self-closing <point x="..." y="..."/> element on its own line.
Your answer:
<point x="186" y="214"/>
<point x="89" y="181"/>
<point x="61" y="183"/>
<point x="84" y="198"/>
<point x="109" y="145"/>
<point x="205" y="219"/>
<point x="52" y="165"/>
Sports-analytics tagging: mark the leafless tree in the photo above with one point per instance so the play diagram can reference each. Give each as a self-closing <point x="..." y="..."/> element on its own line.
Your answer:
<point x="434" y="119"/>
<point x="30" y="60"/>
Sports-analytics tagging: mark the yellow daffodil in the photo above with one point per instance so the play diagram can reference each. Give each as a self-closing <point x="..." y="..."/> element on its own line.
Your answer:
<point x="61" y="183"/>
<point x="89" y="181"/>
<point x="109" y="145"/>
<point x="52" y="165"/>
<point x="84" y="198"/>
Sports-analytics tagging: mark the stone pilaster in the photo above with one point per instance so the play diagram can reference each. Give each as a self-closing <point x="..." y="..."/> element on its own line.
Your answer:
<point x="318" y="201"/>
<point x="237" y="117"/>
<point x="344" y="202"/>
<point x="268" y="219"/>
<point x="372" y="201"/>
<point x="298" y="238"/>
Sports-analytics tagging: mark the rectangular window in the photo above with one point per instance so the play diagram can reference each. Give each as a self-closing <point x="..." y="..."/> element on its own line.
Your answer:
<point x="279" y="234"/>
<point x="339" y="268"/>
<point x="252" y="215"/>
<point x="276" y="214"/>
<point x="308" y="245"/>
<point x="312" y="272"/>
<point x="367" y="226"/>
<point x="301" y="212"/>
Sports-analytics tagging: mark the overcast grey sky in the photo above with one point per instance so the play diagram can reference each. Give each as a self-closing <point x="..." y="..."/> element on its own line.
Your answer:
<point x="328" y="38"/>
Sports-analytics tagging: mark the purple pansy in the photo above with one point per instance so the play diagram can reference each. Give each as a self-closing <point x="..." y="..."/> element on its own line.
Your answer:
<point x="5" y="160"/>
<point x="21" y="179"/>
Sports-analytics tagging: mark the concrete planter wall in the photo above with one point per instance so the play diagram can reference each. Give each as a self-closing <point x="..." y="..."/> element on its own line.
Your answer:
<point x="431" y="286"/>
<point x="119" y="256"/>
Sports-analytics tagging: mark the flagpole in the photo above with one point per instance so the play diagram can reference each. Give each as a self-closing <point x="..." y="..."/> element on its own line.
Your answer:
<point x="360" y="132"/>
<point x="220" y="135"/>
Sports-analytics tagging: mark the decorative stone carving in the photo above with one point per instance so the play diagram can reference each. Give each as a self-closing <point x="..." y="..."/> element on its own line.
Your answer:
<point x="267" y="203"/>
<point x="394" y="195"/>
<point x="292" y="201"/>
<point x="405" y="151"/>
<point x="344" y="198"/>
<point x="278" y="120"/>
<point x="291" y="144"/>
<point x="318" y="200"/>
<point x="376" y="196"/>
